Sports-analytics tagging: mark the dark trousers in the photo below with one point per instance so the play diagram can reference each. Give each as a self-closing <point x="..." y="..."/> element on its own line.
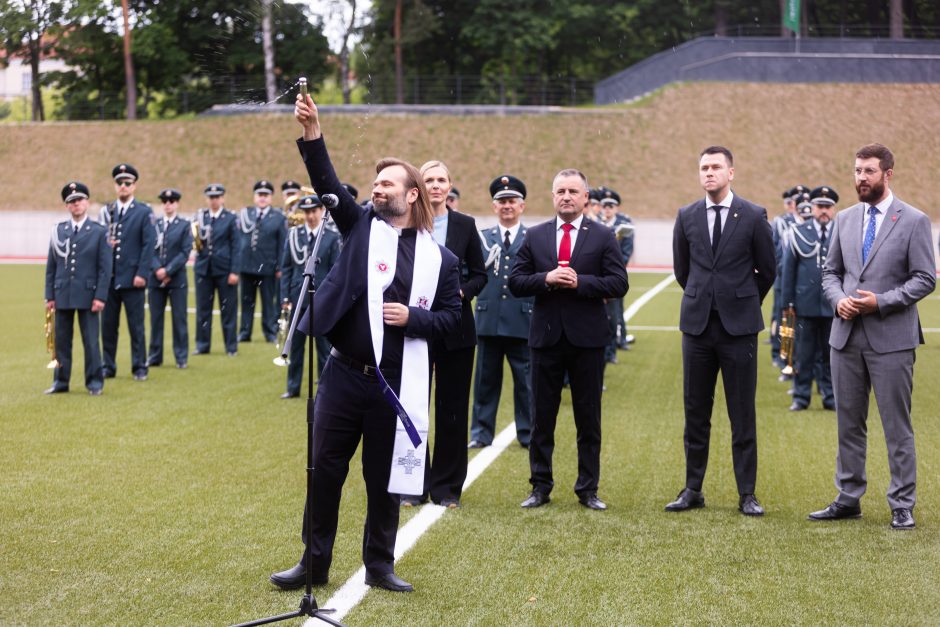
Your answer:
<point x="488" y="385"/>
<point x="250" y="284"/>
<point x="446" y="468"/>
<point x="812" y="359"/>
<point x="64" y="329"/>
<point x="206" y="288"/>
<point x="178" y="298"/>
<point x="295" y="370"/>
<point x="349" y="406"/>
<point x="133" y="301"/>
<point x="585" y="367"/>
<point x="703" y="356"/>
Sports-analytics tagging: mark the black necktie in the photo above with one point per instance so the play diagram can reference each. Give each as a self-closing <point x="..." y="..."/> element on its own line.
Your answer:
<point x="716" y="230"/>
<point x="506" y="242"/>
<point x="822" y="237"/>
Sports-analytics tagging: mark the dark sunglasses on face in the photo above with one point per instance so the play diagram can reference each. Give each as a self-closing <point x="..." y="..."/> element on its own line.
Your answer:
<point x="125" y="183"/>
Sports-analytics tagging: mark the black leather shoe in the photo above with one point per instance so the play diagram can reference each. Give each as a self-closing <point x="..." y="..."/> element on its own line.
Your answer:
<point x="199" y="352"/>
<point x="389" y="581"/>
<point x="55" y="390"/>
<point x="687" y="499"/>
<point x="407" y="500"/>
<point x="829" y="406"/>
<point x="107" y="374"/>
<point x="95" y="391"/>
<point x="242" y="339"/>
<point x="750" y="506"/>
<point x="591" y="501"/>
<point x="182" y="365"/>
<point x="450" y="503"/>
<point x="154" y="364"/>
<point x="476" y="444"/>
<point x="902" y="518"/>
<point x="837" y="511"/>
<point x="290" y="395"/>
<point x="140" y="376"/>
<point x="295" y="577"/>
<point x="796" y="406"/>
<point x="232" y="353"/>
<point x="536" y="499"/>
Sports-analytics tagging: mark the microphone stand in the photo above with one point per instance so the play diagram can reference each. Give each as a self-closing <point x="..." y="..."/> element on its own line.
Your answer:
<point x="308" y="604"/>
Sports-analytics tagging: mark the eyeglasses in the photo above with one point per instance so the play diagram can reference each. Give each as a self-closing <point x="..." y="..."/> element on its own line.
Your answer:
<point x="125" y="183"/>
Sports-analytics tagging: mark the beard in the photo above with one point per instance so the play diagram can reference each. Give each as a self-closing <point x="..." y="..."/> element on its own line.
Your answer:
<point x="390" y="207"/>
<point x="872" y="193"/>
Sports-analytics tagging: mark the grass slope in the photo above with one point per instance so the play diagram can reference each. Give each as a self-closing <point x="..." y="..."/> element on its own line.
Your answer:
<point x="781" y="135"/>
<point x="172" y="500"/>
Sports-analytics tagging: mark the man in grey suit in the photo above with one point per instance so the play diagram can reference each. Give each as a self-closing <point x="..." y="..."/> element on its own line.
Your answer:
<point x="880" y="264"/>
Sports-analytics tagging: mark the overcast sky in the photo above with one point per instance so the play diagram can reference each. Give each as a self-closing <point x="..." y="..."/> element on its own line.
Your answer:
<point x="335" y="13"/>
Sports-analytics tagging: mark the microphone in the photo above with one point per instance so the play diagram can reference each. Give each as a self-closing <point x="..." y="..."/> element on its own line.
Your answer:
<point x="330" y="201"/>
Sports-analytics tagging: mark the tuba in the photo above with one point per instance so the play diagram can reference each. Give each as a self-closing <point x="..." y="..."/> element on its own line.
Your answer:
<point x="788" y="339"/>
<point x="283" y="328"/>
<point x="50" y="338"/>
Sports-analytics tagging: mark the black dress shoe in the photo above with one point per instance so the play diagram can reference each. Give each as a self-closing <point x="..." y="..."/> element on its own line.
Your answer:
<point x="797" y="406"/>
<point x="389" y="581"/>
<point x="450" y="503"/>
<point x="140" y="376"/>
<point x="182" y="365"/>
<point x="829" y="406"/>
<point x="477" y="444"/>
<point x="55" y="389"/>
<point x="199" y="352"/>
<point x="154" y="364"/>
<point x="232" y="353"/>
<point x="902" y="518"/>
<point x="295" y="577"/>
<point x="94" y="391"/>
<point x="687" y="499"/>
<point x="107" y="374"/>
<point x="837" y="511"/>
<point x="750" y="506"/>
<point x="536" y="499"/>
<point x="407" y="500"/>
<point x="290" y="394"/>
<point x="591" y="501"/>
<point x="242" y="338"/>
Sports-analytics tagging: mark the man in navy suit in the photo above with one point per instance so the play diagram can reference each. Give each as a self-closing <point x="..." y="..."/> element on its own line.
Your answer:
<point x="570" y="265"/>
<point x="78" y="272"/>
<point x="132" y="237"/>
<point x="297" y="251"/>
<point x="723" y="254"/>
<point x="168" y="280"/>
<point x="503" y="320"/>
<point x="216" y="271"/>
<point x="263" y="232"/>
<point x="361" y="308"/>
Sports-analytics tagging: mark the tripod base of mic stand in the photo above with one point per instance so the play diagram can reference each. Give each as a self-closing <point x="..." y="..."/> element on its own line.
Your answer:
<point x="308" y="607"/>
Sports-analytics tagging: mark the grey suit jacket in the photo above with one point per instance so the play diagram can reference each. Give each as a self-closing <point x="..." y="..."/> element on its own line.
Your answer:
<point x="899" y="270"/>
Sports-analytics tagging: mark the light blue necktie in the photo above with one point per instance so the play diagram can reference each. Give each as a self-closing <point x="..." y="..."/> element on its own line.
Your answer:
<point x="869" y="233"/>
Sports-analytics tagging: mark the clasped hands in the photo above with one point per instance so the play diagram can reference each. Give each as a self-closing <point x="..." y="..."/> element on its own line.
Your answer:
<point x="851" y="306"/>
<point x="562" y="277"/>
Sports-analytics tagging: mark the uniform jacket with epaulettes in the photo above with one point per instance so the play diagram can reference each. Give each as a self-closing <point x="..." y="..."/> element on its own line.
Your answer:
<point x="171" y="251"/>
<point x="219" y="255"/>
<point x="498" y="312"/>
<point x="261" y="247"/>
<point x="292" y="274"/>
<point x="803" y="261"/>
<point x="84" y="274"/>
<point x="134" y="238"/>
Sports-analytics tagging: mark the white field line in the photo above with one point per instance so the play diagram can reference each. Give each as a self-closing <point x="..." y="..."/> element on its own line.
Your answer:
<point x="355" y="589"/>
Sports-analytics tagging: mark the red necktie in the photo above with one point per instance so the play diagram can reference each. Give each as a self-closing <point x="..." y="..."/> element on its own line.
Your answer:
<point x="564" y="250"/>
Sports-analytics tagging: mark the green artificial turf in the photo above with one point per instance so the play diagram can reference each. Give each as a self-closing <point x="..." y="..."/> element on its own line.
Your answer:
<point x="170" y="502"/>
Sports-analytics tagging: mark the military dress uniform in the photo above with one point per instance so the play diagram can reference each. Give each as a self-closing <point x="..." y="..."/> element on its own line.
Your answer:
<point x="78" y="271"/>
<point x="262" y="236"/>
<point x="502" y="331"/>
<point x="803" y="260"/>
<point x="217" y="259"/>
<point x="293" y="262"/>
<point x="132" y="237"/>
<point x="174" y="244"/>
<point x="781" y="231"/>
<point x="623" y="223"/>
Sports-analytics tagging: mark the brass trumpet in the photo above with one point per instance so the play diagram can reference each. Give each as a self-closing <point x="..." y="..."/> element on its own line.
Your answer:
<point x="197" y="240"/>
<point x="283" y="328"/>
<point x="50" y="338"/>
<point x="295" y="217"/>
<point x="787" y="339"/>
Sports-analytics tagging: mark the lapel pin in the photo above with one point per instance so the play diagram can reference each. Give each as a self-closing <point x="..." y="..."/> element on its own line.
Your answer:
<point x="735" y="215"/>
<point x="894" y="218"/>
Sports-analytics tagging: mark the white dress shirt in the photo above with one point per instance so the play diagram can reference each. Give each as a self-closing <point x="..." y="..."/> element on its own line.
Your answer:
<point x="710" y="215"/>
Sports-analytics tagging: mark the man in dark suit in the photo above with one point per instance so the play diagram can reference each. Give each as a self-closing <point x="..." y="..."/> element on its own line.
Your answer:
<point x="503" y="320"/>
<point x="880" y="264"/>
<point x="297" y="251"/>
<point x="570" y="265"/>
<point x="723" y="254"/>
<point x="391" y="291"/>
<point x="216" y="270"/>
<point x="78" y="272"/>
<point x="130" y="227"/>
<point x="168" y="280"/>
<point x="803" y="258"/>
<point x="263" y="231"/>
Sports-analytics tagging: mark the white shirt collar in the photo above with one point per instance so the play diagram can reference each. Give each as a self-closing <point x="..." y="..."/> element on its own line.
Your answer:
<point x="576" y="223"/>
<point x="724" y="202"/>
<point x="216" y="214"/>
<point x="885" y="204"/>
<point x="77" y="226"/>
<point x="513" y="230"/>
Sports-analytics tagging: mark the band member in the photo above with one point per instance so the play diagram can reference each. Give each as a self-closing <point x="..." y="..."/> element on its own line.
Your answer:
<point x="216" y="270"/>
<point x="880" y="264"/>
<point x="593" y="210"/>
<point x="503" y="320"/>
<point x="453" y="198"/>
<point x="452" y="355"/>
<point x="781" y="228"/>
<point x="803" y="259"/>
<point x="263" y="231"/>
<point x="723" y="254"/>
<point x="622" y="226"/>
<point x="290" y="189"/>
<point x="570" y="265"/>
<point x="169" y="281"/>
<point x="389" y="259"/>
<point x="78" y="273"/>
<point x="293" y="262"/>
<point x="132" y="236"/>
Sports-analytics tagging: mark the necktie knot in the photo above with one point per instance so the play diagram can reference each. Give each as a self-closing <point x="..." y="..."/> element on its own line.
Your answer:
<point x="873" y="211"/>
<point x="568" y="227"/>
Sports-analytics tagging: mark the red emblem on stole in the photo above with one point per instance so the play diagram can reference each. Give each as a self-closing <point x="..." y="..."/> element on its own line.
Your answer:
<point x="381" y="266"/>
<point x="423" y="302"/>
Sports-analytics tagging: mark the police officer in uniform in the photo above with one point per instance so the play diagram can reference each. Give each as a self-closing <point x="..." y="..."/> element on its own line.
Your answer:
<point x="502" y="320"/>
<point x="78" y="273"/>
<point x="803" y="260"/>
<point x="130" y="229"/>
<point x="622" y="226"/>
<point x="781" y="228"/>
<point x="168" y="280"/>
<point x="299" y="246"/>
<point x="216" y="270"/>
<point x="263" y="232"/>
